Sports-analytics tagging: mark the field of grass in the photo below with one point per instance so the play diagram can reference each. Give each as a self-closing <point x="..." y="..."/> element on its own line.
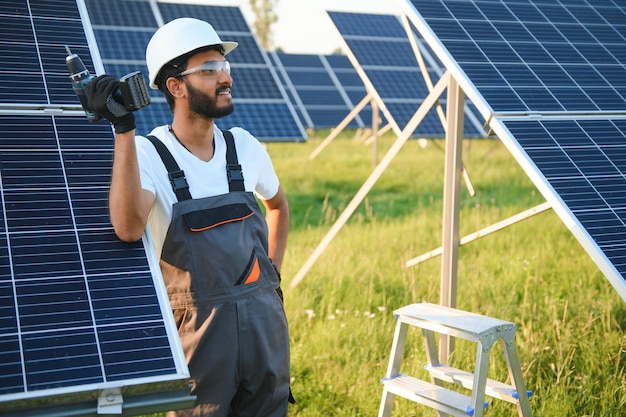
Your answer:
<point x="571" y="322"/>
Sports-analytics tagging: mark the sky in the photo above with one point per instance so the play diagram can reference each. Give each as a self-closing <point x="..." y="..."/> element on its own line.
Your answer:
<point x="303" y="25"/>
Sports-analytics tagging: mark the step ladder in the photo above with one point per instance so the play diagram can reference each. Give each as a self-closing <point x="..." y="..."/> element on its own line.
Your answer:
<point x="483" y="330"/>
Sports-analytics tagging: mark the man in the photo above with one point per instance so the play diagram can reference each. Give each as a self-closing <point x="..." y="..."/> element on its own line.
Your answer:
<point x="219" y="257"/>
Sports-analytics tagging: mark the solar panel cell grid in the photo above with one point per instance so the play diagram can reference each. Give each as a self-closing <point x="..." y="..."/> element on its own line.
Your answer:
<point x="322" y="97"/>
<point x="368" y="25"/>
<point x="223" y="19"/>
<point x="386" y="82"/>
<point x="63" y="324"/>
<point x="528" y="44"/>
<point x="20" y="29"/>
<point x="254" y="83"/>
<point x="122" y="13"/>
<point x="30" y="45"/>
<point x="301" y="61"/>
<point x="60" y="9"/>
<point x="16" y="8"/>
<point x="49" y="358"/>
<point x="403" y="112"/>
<point x="247" y="52"/>
<point x="356" y="96"/>
<point x="313" y="77"/>
<point x="388" y="53"/>
<point x="280" y="114"/>
<point x="339" y="62"/>
<point x="583" y="161"/>
<point x="319" y="85"/>
<point x="123" y="44"/>
<point x="328" y="116"/>
<point x="351" y="80"/>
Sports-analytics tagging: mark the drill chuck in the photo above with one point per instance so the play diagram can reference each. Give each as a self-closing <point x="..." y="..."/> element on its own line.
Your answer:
<point x="80" y="76"/>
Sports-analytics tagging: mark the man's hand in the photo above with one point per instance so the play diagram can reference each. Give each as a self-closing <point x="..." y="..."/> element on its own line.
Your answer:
<point x="100" y="101"/>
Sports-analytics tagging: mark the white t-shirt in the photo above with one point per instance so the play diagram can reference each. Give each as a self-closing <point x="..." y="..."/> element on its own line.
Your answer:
<point x="205" y="179"/>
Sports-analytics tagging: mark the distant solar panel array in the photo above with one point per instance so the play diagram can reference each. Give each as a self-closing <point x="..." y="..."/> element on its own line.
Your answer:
<point x="324" y="88"/>
<point x="380" y="50"/>
<point x="81" y="313"/>
<point x="123" y="28"/>
<point x="550" y="77"/>
<point x="316" y="91"/>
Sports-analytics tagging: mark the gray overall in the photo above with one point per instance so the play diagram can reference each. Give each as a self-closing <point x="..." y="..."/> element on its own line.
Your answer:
<point x="223" y="292"/>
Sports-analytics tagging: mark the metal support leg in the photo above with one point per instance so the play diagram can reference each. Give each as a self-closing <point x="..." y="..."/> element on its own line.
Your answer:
<point x="397" y="354"/>
<point x="480" y="379"/>
<point x="517" y="379"/>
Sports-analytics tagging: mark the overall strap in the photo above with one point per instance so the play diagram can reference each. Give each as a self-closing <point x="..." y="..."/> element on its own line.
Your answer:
<point x="233" y="169"/>
<point x="175" y="174"/>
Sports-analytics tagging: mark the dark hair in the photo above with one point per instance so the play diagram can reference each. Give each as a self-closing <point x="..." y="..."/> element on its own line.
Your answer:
<point x="175" y="67"/>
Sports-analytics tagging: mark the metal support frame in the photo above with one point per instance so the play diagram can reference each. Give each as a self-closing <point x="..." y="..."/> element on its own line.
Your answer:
<point x="110" y="401"/>
<point x="374" y="176"/>
<point x="432" y="100"/>
<point x="381" y="132"/>
<point x="375" y="132"/>
<point x="342" y="125"/>
<point x="451" y="204"/>
<point x="484" y="232"/>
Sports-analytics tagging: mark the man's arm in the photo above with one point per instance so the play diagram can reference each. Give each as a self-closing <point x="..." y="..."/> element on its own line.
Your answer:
<point x="129" y="204"/>
<point x="277" y="217"/>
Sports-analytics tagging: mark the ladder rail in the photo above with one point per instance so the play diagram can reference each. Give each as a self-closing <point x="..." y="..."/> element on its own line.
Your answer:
<point x="480" y="378"/>
<point x="515" y="375"/>
<point x="397" y="349"/>
<point x="393" y="369"/>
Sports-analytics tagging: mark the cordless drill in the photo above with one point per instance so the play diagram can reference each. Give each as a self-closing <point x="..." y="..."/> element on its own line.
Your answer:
<point x="133" y="91"/>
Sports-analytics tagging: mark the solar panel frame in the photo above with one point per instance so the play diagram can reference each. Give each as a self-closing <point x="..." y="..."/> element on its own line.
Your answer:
<point x="84" y="314"/>
<point x="557" y="103"/>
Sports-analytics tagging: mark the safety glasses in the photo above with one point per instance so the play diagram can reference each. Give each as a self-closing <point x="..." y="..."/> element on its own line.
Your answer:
<point x="209" y="69"/>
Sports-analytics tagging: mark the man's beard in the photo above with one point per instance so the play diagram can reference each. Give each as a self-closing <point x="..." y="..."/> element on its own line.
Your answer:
<point x="206" y="106"/>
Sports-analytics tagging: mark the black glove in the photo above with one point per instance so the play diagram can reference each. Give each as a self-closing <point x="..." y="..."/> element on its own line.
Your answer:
<point x="100" y="101"/>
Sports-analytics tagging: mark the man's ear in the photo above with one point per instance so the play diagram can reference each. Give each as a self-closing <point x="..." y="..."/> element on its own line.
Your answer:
<point x="175" y="86"/>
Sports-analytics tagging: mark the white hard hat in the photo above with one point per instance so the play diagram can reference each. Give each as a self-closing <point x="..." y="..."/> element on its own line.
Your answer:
<point x="178" y="37"/>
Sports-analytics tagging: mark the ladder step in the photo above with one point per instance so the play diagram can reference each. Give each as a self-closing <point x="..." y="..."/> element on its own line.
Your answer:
<point x="431" y="395"/>
<point x="458" y="323"/>
<point x="465" y="379"/>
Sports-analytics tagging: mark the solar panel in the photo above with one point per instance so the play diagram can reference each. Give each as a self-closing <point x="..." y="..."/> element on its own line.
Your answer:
<point x="326" y="88"/>
<point x="83" y="323"/>
<point x="540" y="57"/>
<point x="123" y="28"/>
<point x="549" y="77"/>
<point x="380" y="48"/>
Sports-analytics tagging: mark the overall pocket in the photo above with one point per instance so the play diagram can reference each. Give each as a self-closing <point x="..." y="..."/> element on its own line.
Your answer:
<point x="201" y="220"/>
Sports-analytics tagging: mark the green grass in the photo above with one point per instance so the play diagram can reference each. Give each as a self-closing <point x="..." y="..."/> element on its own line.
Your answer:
<point x="570" y="320"/>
